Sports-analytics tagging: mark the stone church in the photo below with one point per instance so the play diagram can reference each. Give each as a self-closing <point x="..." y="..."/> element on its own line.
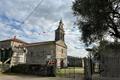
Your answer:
<point x="16" y="51"/>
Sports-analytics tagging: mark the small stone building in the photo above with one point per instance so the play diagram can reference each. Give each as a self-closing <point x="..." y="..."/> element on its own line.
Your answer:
<point x="41" y="53"/>
<point x="13" y="52"/>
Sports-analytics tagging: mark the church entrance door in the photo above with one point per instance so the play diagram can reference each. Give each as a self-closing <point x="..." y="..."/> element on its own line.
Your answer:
<point x="62" y="63"/>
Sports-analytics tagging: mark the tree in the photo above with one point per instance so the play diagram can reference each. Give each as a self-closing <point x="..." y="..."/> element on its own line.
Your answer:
<point x="97" y="18"/>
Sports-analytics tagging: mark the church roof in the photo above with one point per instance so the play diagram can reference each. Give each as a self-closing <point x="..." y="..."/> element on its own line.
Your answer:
<point x="47" y="43"/>
<point x="28" y="44"/>
<point x="40" y="43"/>
<point x="16" y="40"/>
<point x="36" y="43"/>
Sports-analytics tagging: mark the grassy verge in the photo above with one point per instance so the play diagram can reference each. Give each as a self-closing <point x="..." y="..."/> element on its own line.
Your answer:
<point x="70" y="70"/>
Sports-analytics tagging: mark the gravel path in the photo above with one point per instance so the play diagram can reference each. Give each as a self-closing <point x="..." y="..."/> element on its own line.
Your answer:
<point x="22" y="77"/>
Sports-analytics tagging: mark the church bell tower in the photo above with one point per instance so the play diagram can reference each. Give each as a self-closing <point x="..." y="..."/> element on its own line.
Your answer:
<point x="59" y="32"/>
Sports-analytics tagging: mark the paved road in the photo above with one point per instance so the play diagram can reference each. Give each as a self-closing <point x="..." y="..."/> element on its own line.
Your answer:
<point x="22" y="77"/>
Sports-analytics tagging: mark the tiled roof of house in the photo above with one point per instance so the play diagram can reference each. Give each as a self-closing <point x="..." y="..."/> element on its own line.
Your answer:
<point x="16" y="40"/>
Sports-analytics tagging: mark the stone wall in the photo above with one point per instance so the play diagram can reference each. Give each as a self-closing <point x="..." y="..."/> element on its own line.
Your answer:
<point x="19" y="56"/>
<point x="38" y="54"/>
<point x="28" y="69"/>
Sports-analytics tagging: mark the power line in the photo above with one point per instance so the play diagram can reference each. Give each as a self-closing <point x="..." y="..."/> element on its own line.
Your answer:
<point x="27" y="17"/>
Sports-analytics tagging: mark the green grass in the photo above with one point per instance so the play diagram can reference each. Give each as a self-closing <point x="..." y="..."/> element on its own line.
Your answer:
<point x="70" y="70"/>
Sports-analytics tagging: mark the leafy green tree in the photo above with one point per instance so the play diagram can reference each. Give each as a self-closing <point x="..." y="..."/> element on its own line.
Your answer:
<point x="97" y="18"/>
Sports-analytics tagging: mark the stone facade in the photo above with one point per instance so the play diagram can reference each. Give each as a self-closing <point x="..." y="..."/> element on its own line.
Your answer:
<point x="61" y="53"/>
<point x="38" y="53"/>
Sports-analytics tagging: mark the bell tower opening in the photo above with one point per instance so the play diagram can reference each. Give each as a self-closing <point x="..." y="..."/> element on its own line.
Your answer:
<point x="59" y="32"/>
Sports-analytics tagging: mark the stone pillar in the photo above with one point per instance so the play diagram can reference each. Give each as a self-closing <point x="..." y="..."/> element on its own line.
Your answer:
<point x="58" y="63"/>
<point x="65" y="62"/>
<point x="83" y="62"/>
<point x="87" y="69"/>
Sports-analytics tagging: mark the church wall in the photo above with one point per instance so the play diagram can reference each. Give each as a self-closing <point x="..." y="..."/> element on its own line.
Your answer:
<point x="38" y="54"/>
<point x="61" y="54"/>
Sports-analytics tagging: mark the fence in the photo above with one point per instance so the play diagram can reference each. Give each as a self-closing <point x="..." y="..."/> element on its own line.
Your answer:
<point x="110" y="68"/>
<point x="73" y="71"/>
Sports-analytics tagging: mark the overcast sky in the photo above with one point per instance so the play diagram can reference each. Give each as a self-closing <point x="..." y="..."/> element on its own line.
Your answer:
<point x="40" y="26"/>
